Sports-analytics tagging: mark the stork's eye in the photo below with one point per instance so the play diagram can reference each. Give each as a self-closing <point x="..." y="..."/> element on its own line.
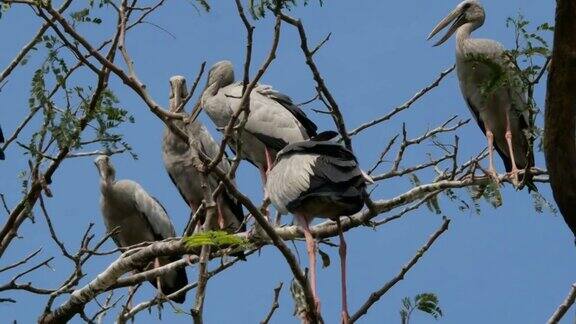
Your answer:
<point x="466" y="6"/>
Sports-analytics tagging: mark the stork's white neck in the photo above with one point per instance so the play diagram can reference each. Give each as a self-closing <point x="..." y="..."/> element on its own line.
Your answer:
<point x="210" y="91"/>
<point x="107" y="179"/>
<point x="464" y="34"/>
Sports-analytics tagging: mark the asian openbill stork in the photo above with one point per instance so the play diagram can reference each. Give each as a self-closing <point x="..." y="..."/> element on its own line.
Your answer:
<point x="274" y="120"/>
<point x="137" y="217"/>
<point x="318" y="178"/>
<point x="178" y="160"/>
<point x="500" y="108"/>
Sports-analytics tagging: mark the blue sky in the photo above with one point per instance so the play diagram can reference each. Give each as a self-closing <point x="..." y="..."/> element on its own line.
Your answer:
<point x="506" y="265"/>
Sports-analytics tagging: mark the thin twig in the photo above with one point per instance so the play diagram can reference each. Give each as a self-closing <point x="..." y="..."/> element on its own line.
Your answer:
<point x="375" y="296"/>
<point x="275" y="304"/>
<point x="405" y="105"/>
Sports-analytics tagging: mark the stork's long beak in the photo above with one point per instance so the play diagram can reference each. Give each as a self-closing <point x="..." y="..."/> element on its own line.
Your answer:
<point x="101" y="163"/>
<point x="457" y="15"/>
<point x="178" y="92"/>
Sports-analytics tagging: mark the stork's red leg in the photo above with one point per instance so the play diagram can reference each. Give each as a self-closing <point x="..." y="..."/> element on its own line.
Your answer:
<point x="342" y="250"/>
<point x="514" y="172"/>
<point x="264" y="175"/>
<point x="264" y="179"/>
<point x="269" y="161"/>
<point x="491" y="169"/>
<point x="221" y="223"/>
<point x="158" y="281"/>
<point x="311" y="249"/>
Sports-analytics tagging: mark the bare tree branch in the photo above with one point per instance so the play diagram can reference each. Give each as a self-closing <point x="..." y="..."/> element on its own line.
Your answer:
<point x="375" y="296"/>
<point x="405" y="105"/>
<point x="275" y="304"/>
<point x="564" y="307"/>
<point x="333" y="106"/>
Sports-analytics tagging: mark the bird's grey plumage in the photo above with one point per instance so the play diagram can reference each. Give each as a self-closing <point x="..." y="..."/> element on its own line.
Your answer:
<point x="274" y="120"/>
<point x="178" y="159"/>
<point x="316" y="179"/>
<point x="481" y="64"/>
<point x="137" y="217"/>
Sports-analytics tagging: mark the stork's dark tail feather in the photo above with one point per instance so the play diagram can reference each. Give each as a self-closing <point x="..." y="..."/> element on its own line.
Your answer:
<point x="173" y="281"/>
<point x="530" y="183"/>
<point x="528" y="176"/>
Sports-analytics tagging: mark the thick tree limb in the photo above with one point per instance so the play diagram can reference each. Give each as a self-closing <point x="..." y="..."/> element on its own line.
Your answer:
<point x="560" y="116"/>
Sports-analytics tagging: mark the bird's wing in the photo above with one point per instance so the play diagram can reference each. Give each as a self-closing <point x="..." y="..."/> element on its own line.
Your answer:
<point x="289" y="179"/>
<point x="336" y="173"/>
<point x="318" y="169"/>
<point x="326" y="148"/>
<point x="207" y="144"/>
<point x="173" y="179"/>
<point x="286" y="101"/>
<point x="269" y="121"/>
<point x="154" y="214"/>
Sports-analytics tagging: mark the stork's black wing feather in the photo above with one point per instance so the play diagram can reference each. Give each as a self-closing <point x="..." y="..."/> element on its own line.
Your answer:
<point x="327" y="148"/>
<point x="286" y="101"/>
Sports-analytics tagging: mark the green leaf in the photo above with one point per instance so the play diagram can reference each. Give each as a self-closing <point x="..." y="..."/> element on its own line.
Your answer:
<point x="428" y="303"/>
<point x="214" y="238"/>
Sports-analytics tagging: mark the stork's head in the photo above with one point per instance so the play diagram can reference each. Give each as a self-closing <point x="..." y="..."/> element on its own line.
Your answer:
<point x="222" y="74"/>
<point x="467" y="12"/>
<point x="105" y="168"/>
<point x="178" y="92"/>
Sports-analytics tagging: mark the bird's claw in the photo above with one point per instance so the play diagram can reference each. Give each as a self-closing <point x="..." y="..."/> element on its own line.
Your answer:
<point x="493" y="175"/>
<point x="513" y="176"/>
<point x="189" y="260"/>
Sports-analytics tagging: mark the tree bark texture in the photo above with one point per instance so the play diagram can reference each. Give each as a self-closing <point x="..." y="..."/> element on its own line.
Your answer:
<point x="560" y="122"/>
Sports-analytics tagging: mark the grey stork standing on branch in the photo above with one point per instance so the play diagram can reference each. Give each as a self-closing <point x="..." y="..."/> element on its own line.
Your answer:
<point x="318" y="178"/>
<point x="137" y="217"/>
<point x="178" y="159"/>
<point x="500" y="110"/>
<point x="274" y="120"/>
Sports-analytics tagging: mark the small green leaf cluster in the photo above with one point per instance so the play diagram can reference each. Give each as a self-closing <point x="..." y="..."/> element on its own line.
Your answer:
<point x="64" y="106"/>
<point x="83" y="15"/>
<point x="426" y="302"/>
<point x="258" y="7"/>
<point x="214" y="238"/>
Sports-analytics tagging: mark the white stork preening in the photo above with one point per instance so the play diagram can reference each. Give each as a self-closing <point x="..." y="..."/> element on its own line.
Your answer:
<point x="500" y="111"/>
<point x="138" y="217"/>
<point x="318" y="178"/>
<point x="273" y="123"/>
<point x="178" y="160"/>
